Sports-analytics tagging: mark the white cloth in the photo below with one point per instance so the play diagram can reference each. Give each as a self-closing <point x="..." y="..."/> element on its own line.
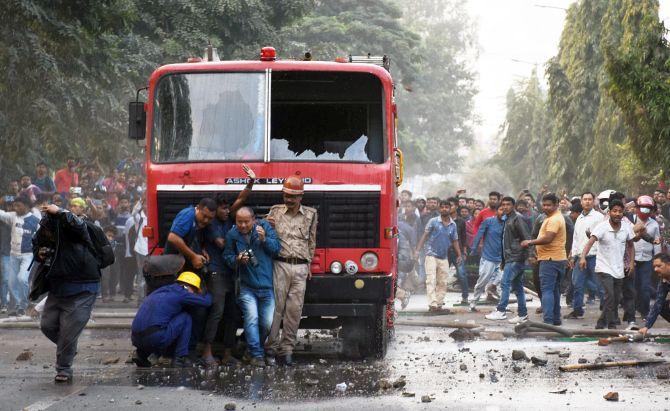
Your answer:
<point x="645" y="251"/>
<point x="142" y="243"/>
<point x="612" y="247"/>
<point x="584" y="223"/>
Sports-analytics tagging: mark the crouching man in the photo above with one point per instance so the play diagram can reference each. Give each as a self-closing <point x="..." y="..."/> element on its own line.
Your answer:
<point x="161" y="325"/>
<point x="250" y="248"/>
<point x="661" y="307"/>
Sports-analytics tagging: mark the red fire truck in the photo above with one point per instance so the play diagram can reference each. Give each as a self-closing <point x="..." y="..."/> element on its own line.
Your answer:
<point x="333" y="123"/>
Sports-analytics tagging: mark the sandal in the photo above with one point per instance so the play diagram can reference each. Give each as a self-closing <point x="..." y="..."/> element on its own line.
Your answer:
<point x="62" y="378"/>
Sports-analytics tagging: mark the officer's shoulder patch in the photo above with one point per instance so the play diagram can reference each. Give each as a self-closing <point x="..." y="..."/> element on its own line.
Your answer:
<point x="309" y="209"/>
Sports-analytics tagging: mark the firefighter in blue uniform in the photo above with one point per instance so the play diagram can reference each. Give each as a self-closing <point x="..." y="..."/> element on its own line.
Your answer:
<point x="161" y="325"/>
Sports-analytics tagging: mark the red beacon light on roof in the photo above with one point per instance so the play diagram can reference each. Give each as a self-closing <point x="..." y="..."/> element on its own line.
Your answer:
<point x="268" y="54"/>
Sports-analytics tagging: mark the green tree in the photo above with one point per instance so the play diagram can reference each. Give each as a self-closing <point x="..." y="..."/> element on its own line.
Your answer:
<point x="637" y="60"/>
<point x="526" y="135"/>
<point x="437" y="117"/>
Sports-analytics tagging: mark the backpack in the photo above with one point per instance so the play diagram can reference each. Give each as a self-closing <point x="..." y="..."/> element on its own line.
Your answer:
<point x="101" y="247"/>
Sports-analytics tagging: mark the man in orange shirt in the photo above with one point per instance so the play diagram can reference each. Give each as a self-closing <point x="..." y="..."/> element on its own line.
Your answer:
<point x="67" y="177"/>
<point x="552" y="258"/>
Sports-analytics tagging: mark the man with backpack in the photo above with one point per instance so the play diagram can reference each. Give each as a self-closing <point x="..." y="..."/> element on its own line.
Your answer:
<point x="71" y="251"/>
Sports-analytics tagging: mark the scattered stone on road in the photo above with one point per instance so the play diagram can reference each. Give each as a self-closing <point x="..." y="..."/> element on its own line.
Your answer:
<point x="425" y="398"/>
<point x="462" y="334"/>
<point x="26" y="355"/>
<point x="231" y="406"/>
<point x="408" y="394"/>
<point x="563" y="391"/>
<point x="582" y="360"/>
<point x="311" y="382"/>
<point x="111" y="360"/>
<point x="519" y="355"/>
<point x="138" y="402"/>
<point x="564" y="355"/>
<point x="516" y="369"/>
<point x="384" y="384"/>
<point x="400" y="382"/>
<point x="540" y="362"/>
<point x="612" y="396"/>
<point x="463" y="367"/>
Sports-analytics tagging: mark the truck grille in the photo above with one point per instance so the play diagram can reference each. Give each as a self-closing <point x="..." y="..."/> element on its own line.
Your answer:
<point x="346" y="219"/>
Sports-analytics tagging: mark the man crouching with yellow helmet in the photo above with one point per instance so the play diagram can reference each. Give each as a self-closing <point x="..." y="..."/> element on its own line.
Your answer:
<point x="161" y="325"/>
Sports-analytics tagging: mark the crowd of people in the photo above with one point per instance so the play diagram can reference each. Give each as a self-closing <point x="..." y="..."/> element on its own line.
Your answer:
<point x="68" y="240"/>
<point x="607" y="246"/>
<point x="114" y="201"/>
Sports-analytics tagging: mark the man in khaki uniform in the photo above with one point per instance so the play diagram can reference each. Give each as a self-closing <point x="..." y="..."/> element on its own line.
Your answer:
<point x="295" y="225"/>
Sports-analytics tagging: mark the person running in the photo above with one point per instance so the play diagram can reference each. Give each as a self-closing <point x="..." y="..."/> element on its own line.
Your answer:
<point x="615" y="240"/>
<point x="514" y="257"/>
<point x="491" y="231"/>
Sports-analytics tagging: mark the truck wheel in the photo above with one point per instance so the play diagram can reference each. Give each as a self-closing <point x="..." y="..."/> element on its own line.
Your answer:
<point x="366" y="337"/>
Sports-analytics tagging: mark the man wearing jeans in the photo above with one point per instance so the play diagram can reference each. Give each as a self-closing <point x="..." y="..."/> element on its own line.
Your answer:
<point x="250" y="249"/>
<point x="514" y="258"/>
<point x="24" y="225"/>
<point x="646" y="247"/>
<point x="615" y="239"/>
<point x="586" y="222"/>
<point x="550" y="248"/>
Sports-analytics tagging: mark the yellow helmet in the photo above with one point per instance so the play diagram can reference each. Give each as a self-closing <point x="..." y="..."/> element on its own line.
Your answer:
<point x="190" y="278"/>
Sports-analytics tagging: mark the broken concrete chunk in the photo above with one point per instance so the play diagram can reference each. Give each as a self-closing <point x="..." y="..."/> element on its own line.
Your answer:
<point x="231" y="406"/>
<point x="540" y="362"/>
<point x="519" y="355"/>
<point x="426" y="398"/>
<point x="27" y="355"/>
<point x="110" y="360"/>
<point x="612" y="396"/>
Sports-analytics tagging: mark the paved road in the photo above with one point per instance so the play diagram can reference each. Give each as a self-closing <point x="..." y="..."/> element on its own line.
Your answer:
<point x="474" y="375"/>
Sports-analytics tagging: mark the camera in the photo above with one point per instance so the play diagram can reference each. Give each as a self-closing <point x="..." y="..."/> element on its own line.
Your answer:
<point x="253" y="260"/>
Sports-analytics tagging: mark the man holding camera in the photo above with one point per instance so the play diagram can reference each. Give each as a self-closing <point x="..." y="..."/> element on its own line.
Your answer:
<point x="250" y="247"/>
<point x="296" y="228"/>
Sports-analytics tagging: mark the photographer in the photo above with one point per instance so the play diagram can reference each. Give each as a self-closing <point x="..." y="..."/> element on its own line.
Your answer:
<point x="250" y="248"/>
<point x="64" y="247"/>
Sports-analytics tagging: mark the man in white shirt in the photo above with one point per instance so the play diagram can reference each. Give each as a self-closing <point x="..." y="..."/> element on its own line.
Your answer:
<point x="588" y="219"/>
<point x="614" y="241"/>
<point x="645" y="248"/>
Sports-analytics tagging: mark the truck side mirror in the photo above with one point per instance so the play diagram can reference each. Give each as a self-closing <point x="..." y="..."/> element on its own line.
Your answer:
<point x="137" y="120"/>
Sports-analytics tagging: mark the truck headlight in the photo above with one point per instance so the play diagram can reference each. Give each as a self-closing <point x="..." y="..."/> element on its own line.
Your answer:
<point x="369" y="261"/>
<point x="351" y="267"/>
<point x="336" y="267"/>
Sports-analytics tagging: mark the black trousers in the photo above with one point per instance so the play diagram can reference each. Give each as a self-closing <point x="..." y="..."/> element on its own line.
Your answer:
<point x="609" y="316"/>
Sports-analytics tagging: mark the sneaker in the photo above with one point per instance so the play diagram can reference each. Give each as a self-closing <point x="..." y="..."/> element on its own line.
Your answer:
<point x="496" y="315"/>
<point x="270" y="361"/>
<point x="20" y="313"/>
<point x="182" y="362"/>
<point x="3" y="309"/>
<point x="518" y="320"/>
<point x="574" y="315"/>
<point x="464" y="301"/>
<point x="473" y="308"/>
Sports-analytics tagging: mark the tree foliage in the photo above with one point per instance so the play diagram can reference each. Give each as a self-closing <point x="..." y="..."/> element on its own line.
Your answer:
<point x="637" y="60"/>
<point x="608" y="98"/>
<point x="526" y="135"/>
<point x="70" y="66"/>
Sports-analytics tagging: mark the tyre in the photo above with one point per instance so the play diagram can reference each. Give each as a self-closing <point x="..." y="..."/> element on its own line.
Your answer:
<point x="366" y="337"/>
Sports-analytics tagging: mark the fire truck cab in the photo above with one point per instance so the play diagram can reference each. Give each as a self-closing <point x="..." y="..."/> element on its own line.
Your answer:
<point x="333" y="123"/>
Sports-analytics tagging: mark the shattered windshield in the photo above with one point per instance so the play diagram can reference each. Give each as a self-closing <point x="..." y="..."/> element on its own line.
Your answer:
<point x="210" y="116"/>
<point x="325" y="116"/>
